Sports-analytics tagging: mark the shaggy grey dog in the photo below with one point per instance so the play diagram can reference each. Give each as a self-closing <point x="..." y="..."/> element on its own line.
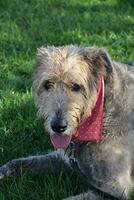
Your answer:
<point x="65" y="87"/>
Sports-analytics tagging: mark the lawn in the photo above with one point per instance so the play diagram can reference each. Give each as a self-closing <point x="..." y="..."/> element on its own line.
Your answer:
<point x="26" y="25"/>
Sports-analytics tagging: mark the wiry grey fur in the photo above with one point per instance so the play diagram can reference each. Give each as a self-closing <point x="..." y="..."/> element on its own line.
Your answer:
<point x="109" y="164"/>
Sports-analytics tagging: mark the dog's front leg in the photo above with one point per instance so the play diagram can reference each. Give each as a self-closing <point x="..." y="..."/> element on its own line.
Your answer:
<point x="90" y="195"/>
<point x="54" y="161"/>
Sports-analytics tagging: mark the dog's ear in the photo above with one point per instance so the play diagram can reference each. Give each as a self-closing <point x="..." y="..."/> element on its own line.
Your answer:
<point x="99" y="61"/>
<point x="42" y="56"/>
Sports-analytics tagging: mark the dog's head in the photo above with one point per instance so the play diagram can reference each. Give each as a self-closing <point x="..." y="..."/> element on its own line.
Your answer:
<point x="65" y="84"/>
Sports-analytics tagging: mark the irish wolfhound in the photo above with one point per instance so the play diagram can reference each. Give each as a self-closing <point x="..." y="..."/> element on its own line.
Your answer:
<point x="87" y="103"/>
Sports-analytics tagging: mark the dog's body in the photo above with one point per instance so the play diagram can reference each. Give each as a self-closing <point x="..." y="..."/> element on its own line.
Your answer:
<point x="65" y="93"/>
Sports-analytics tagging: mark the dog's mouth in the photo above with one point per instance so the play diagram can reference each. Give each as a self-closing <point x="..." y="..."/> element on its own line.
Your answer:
<point x="60" y="141"/>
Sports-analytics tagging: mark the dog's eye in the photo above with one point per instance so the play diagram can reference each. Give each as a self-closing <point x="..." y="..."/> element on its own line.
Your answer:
<point x="48" y="85"/>
<point x="76" y="87"/>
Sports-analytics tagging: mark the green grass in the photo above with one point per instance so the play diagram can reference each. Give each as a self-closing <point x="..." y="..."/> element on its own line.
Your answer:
<point x="24" y="26"/>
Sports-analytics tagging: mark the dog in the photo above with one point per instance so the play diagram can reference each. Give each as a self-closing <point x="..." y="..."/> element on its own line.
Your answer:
<point x="86" y="101"/>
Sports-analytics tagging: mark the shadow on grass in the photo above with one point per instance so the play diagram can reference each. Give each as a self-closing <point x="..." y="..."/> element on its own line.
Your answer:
<point x="125" y="3"/>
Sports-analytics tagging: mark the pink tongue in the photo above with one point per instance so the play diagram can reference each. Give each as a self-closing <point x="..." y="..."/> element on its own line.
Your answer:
<point x="60" y="141"/>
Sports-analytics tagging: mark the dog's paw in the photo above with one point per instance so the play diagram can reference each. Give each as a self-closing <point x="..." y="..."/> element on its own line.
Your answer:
<point x="74" y="198"/>
<point x="6" y="170"/>
<point x="83" y="196"/>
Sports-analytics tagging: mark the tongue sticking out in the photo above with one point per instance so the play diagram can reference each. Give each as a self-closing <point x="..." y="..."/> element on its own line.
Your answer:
<point x="60" y="141"/>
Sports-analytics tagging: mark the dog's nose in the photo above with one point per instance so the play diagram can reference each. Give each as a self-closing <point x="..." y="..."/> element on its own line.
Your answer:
<point x="58" y="125"/>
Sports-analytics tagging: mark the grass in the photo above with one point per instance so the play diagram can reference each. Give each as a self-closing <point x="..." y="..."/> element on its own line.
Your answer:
<point x="24" y="26"/>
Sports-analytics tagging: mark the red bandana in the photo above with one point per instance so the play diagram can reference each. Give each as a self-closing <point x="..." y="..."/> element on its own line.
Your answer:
<point x="91" y="128"/>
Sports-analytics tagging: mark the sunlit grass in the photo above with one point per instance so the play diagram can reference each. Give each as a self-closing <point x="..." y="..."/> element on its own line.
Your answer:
<point x="24" y="26"/>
